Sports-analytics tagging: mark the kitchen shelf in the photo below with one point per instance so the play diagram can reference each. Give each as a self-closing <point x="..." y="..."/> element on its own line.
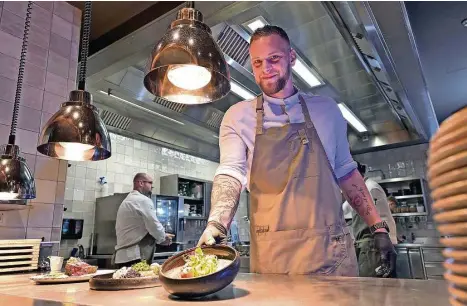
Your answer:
<point x="190" y="198"/>
<point x="412" y="196"/>
<point x="194" y="218"/>
<point x="398" y="179"/>
<point x="410" y="214"/>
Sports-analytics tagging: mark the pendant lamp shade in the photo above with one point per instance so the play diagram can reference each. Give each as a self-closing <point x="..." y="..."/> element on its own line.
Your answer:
<point x="16" y="180"/>
<point x="187" y="65"/>
<point x="76" y="132"/>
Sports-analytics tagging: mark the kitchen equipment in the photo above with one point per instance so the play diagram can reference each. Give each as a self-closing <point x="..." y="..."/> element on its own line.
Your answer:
<point x="413" y="207"/>
<point x="204" y="285"/>
<point x="56" y="263"/>
<point x="447" y="173"/>
<point x="106" y="282"/>
<point x="420" y="208"/>
<point x="72" y="228"/>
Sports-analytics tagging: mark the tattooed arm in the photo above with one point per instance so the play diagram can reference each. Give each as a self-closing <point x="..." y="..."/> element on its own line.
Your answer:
<point x="224" y="199"/>
<point x="354" y="189"/>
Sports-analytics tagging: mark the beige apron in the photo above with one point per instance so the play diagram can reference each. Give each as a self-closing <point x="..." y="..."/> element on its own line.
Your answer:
<point x="297" y="224"/>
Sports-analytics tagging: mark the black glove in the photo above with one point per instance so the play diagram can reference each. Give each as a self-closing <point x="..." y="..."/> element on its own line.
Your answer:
<point x="388" y="254"/>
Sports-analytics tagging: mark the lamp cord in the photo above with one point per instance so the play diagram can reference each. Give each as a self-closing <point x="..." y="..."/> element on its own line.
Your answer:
<point x="19" y="83"/>
<point x="85" y="45"/>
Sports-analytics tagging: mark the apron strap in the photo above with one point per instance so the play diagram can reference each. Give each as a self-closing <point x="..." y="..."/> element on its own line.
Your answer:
<point x="309" y="125"/>
<point x="259" y="115"/>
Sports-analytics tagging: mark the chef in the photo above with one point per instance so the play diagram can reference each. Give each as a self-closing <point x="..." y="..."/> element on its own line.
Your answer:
<point x="137" y="227"/>
<point x="290" y="150"/>
<point x="369" y="259"/>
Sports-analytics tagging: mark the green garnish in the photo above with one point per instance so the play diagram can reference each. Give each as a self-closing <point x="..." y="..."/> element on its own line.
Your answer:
<point x="200" y="263"/>
<point x="141" y="266"/>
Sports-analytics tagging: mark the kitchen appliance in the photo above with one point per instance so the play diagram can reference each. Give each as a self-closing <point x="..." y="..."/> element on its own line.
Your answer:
<point x="72" y="228"/>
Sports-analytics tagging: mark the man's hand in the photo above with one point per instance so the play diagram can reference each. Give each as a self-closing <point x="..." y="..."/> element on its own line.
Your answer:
<point x="168" y="240"/>
<point x="387" y="252"/>
<point x="214" y="233"/>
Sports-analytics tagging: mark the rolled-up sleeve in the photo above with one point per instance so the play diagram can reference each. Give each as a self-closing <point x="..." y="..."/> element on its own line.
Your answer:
<point x="233" y="150"/>
<point x="152" y="224"/>
<point x="344" y="162"/>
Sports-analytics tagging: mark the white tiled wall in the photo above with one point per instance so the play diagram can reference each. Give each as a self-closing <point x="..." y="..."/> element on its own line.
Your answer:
<point x="50" y="74"/>
<point x="129" y="156"/>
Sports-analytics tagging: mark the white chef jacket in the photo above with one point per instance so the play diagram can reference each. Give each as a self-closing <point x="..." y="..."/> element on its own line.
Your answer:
<point x="237" y="132"/>
<point x="382" y="206"/>
<point x="136" y="217"/>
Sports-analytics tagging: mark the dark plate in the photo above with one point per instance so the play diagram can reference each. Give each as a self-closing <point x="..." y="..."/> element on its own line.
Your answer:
<point x="204" y="285"/>
<point x="106" y="282"/>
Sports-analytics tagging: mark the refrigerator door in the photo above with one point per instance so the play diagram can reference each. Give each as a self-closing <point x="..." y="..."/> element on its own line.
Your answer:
<point x="167" y="210"/>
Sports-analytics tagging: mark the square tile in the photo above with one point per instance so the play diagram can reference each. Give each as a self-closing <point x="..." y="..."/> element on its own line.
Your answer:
<point x="75" y="33"/>
<point x="56" y="235"/>
<point x="29" y="119"/>
<point x="8" y="66"/>
<point x="7" y="88"/>
<point x="12" y="24"/>
<point x="27" y="141"/>
<point x="78" y="195"/>
<point x="74" y="51"/>
<point x="60" y="45"/>
<point x="12" y="233"/>
<point x="70" y="182"/>
<point x="56" y="84"/>
<point x="52" y="102"/>
<point x="71" y="172"/>
<point x="31" y="97"/>
<point x="62" y="170"/>
<point x="41" y="215"/>
<point x="76" y="16"/>
<point x="10" y="45"/>
<point x="91" y="184"/>
<point x="68" y="194"/>
<point x="89" y="196"/>
<point x="129" y="151"/>
<point x="16" y="218"/>
<point x="48" y="5"/>
<point x="34" y="76"/>
<point x="80" y="183"/>
<point x="4" y="131"/>
<point x="73" y="69"/>
<point x="60" y="193"/>
<point x="37" y="56"/>
<point x="5" y="114"/>
<point x="58" y="215"/>
<point x="40" y="36"/>
<point x="61" y="27"/>
<point x="41" y="17"/>
<point x="45" y="191"/>
<point x="91" y="174"/>
<point x="64" y="10"/>
<point x="57" y="65"/>
<point x="16" y="7"/>
<point x="80" y="172"/>
<point x="39" y="233"/>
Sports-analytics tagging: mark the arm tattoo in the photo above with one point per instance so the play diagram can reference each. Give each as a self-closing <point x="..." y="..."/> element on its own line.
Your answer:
<point x="224" y="199"/>
<point x="357" y="198"/>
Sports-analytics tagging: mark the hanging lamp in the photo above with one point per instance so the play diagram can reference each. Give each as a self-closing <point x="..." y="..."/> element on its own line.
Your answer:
<point x="75" y="131"/>
<point x="187" y="65"/>
<point x="16" y="180"/>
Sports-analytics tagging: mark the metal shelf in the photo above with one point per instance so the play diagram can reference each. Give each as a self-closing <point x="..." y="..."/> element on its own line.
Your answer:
<point x="409" y="196"/>
<point x="193" y="218"/>
<point x="410" y="214"/>
<point x="190" y="198"/>
<point x="399" y="179"/>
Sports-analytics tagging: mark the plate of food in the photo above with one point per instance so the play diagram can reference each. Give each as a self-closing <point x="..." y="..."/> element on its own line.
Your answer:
<point x="140" y="275"/>
<point x="200" y="271"/>
<point x="76" y="270"/>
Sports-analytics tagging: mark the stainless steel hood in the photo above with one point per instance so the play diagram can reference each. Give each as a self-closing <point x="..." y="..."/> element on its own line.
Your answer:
<point x="332" y="39"/>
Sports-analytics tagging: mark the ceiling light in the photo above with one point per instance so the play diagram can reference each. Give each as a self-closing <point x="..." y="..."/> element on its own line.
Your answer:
<point x="187" y="65"/>
<point x="353" y="120"/>
<point x="255" y="24"/>
<point x="75" y="131"/>
<point x="305" y="73"/>
<point x="139" y="107"/>
<point x="241" y="91"/>
<point x="16" y="180"/>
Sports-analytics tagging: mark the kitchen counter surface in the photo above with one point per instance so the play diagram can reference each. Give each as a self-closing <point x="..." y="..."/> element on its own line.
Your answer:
<point x="247" y="289"/>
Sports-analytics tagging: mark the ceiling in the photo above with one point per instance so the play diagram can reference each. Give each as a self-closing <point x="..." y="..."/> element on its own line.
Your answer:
<point x="343" y="54"/>
<point x="442" y="43"/>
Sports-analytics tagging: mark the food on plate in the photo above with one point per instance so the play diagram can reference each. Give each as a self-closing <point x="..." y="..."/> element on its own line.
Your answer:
<point x="198" y="264"/>
<point x="54" y="274"/>
<point x="140" y="269"/>
<point x="75" y="267"/>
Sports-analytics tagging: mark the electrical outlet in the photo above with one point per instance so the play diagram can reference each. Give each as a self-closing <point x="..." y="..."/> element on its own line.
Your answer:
<point x="2" y="218"/>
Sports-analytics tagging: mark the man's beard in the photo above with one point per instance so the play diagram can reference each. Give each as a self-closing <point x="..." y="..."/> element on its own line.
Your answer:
<point x="148" y="193"/>
<point x="274" y="88"/>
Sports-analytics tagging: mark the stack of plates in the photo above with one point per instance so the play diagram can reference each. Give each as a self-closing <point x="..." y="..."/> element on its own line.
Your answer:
<point x="447" y="174"/>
